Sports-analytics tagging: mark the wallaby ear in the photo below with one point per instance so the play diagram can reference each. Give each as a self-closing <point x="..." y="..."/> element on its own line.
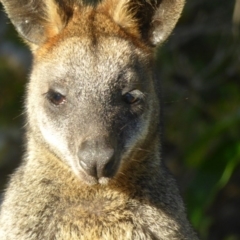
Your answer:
<point x="153" y="20"/>
<point x="38" y="20"/>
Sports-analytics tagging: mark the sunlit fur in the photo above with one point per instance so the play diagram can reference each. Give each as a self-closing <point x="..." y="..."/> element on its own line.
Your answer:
<point x="93" y="56"/>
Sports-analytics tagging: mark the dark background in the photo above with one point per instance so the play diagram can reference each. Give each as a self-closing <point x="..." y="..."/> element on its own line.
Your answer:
<point x="200" y="71"/>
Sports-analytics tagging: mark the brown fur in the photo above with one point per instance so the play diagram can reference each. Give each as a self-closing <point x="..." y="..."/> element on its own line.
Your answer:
<point x="97" y="58"/>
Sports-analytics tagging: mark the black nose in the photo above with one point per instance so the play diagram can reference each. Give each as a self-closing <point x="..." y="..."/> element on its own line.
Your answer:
<point x="97" y="159"/>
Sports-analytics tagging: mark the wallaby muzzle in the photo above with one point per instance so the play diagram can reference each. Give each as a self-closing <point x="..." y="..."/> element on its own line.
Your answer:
<point x="97" y="158"/>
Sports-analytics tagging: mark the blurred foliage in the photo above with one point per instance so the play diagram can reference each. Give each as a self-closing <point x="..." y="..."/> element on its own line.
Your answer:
<point x="14" y="61"/>
<point x="200" y="72"/>
<point x="200" y="69"/>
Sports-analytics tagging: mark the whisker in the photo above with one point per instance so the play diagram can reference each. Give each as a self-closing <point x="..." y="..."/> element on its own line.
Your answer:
<point x="25" y="125"/>
<point x="122" y="173"/>
<point x="124" y="126"/>
<point x="19" y="115"/>
<point x="144" y="150"/>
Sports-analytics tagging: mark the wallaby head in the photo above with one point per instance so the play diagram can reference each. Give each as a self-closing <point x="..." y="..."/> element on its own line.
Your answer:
<point x="92" y="99"/>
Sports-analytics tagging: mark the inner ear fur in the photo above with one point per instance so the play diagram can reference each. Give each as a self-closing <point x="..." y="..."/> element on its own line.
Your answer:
<point x="152" y="20"/>
<point x="38" y="20"/>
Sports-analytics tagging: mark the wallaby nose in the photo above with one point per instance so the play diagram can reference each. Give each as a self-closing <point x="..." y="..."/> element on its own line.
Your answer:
<point x="97" y="159"/>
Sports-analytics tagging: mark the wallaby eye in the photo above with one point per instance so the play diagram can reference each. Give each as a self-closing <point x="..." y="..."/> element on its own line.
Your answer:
<point x="56" y="98"/>
<point x="133" y="96"/>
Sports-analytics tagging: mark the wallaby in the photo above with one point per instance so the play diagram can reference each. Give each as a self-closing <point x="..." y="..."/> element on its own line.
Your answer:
<point x="93" y="167"/>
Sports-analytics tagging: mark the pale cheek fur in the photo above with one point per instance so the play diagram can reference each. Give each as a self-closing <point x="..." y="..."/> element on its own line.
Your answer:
<point x="54" y="138"/>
